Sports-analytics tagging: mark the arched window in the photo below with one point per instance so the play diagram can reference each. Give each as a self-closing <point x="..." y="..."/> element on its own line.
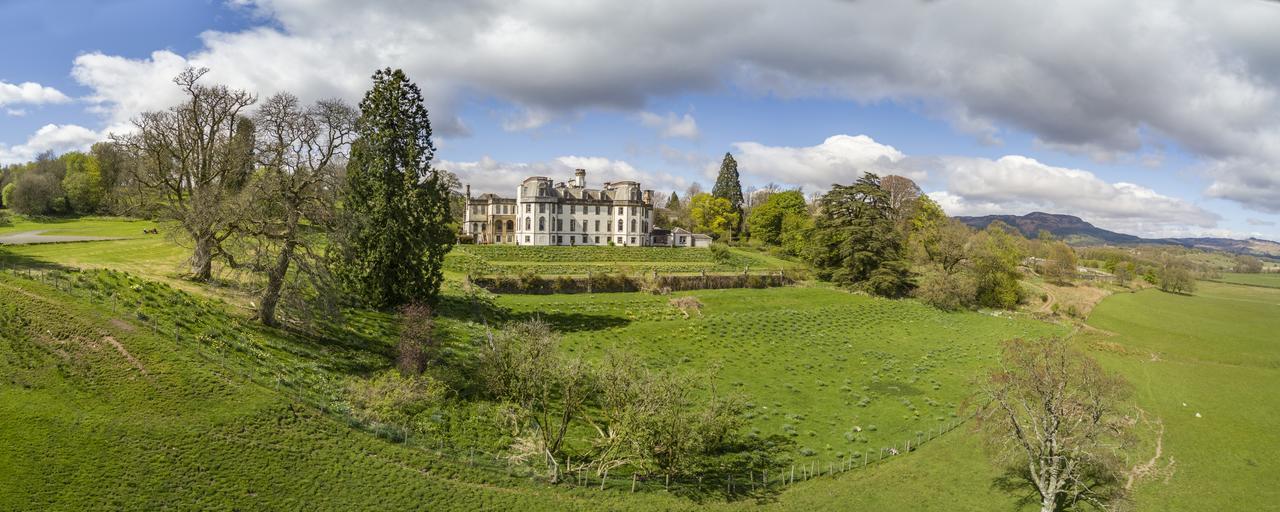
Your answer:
<point x="633" y="224"/>
<point x="511" y="226"/>
<point x="542" y="223"/>
<point x="528" y="221"/>
<point x="619" y="224"/>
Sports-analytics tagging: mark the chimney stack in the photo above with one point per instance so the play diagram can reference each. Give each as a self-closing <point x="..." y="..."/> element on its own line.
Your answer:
<point x="580" y="178"/>
<point x="468" y="191"/>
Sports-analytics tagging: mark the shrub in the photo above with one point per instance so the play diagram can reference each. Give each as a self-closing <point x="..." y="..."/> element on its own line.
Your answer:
<point x="948" y="292"/>
<point x="5" y="220"/>
<point x="392" y="399"/>
<point x="721" y="253"/>
<point x="417" y="339"/>
<point x="687" y="304"/>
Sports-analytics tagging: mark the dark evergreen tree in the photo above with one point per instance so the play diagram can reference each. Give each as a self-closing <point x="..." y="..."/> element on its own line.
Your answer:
<point x="727" y="184"/>
<point x="729" y="187"/>
<point x="855" y="243"/>
<point x="673" y="203"/>
<point x="395" y="206"/>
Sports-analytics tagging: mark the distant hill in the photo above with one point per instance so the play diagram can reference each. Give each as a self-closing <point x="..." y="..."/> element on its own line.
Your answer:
<point x="1077" y="231"/>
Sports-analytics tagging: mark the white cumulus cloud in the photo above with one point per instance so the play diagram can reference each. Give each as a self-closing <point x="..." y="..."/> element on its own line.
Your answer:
<point x="30" y="93"/>
<point x="838" y="159"/>
<point x="50" y="137"/>
<point x="502" y="178"/>
<point x="1018" y="185"/>
<point x="671" y="125"/>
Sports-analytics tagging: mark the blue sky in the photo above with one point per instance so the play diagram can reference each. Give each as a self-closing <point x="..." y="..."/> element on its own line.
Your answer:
<point x="1160" y="119"/>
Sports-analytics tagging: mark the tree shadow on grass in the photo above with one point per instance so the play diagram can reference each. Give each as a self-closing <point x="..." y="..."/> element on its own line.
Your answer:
<point x="22" y="263"/>
<point x="485" y="312"/>
<point x="1014" y="482"/>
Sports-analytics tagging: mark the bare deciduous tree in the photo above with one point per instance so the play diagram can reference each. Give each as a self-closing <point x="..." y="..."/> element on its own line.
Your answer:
<point x="1055" y="417"/>
<point x="300" y="153"/>
<point x="903" y="194"/>
<point x="196" y="155"/>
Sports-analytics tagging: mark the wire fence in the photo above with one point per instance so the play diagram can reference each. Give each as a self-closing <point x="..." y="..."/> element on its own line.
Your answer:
<point x="729" y="483"/>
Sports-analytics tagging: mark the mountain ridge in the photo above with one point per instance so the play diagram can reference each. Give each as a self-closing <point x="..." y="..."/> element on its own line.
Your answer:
<point x="1077" y="231"/>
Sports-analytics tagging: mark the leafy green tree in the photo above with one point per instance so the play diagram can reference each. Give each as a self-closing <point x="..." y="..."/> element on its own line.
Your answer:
<point x="396" y="206"/>
<point x="1061" y="265"/>
<point x="712" y="215"/>
<point x="673" y="202"/>
<point x="82" y="182"/>
<point x="995" y="255"/>
<point x="765" y="221"/>
<point x="855" y="242"/>
<point x="1176" y="277"/>
<point x="797" y="228"/>
<point x="6" y="195"/>
<point x="37" y="193"/>
<point x="729" y="187"/>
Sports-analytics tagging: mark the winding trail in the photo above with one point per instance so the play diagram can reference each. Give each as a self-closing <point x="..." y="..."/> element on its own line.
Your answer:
<point x="35" y="237"/>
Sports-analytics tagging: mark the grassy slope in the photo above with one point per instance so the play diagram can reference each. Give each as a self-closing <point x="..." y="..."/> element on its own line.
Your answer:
<point x="1218" y="353"/>
<point x="815" y="362"/>
<point x="265" y="454"/>
<point x="192" y="432"/>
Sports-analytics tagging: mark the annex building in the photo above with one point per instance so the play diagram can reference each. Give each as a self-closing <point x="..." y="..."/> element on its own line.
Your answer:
<point x="544" y="212"/>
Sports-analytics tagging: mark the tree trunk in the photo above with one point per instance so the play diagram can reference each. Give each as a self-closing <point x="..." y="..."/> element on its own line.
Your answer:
<point x="202" y="258"/>
<point x="275" y="282"/>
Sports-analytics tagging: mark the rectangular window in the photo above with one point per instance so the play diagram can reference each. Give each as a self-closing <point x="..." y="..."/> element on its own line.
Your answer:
<point x="597" y="209"/>
<point x="633" y="240"/>
<point x="572" y="208"/>
<point x="633" y="210"/>
<point x="597" y="225"/>
<point x="542" y="207"/>
<point x="526" y="239"/>
<point x="528" y="208"/>
<point x="619" y="239"/>
<point x="597" y="239"/>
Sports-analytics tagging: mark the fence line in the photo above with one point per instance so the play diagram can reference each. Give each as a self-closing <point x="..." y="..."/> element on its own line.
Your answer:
<point x="730" y="484"/>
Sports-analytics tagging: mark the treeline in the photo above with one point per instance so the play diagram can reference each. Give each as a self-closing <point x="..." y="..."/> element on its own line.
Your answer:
<point x="96" y="182"/>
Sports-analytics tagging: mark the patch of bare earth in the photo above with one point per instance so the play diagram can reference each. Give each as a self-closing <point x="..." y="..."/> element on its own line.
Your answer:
<point x="125" y="353"/>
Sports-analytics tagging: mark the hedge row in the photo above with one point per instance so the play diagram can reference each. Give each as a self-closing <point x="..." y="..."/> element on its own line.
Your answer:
<point x="604" y="283"/>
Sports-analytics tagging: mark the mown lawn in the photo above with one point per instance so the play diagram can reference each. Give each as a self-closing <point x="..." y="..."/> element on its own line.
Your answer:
<point x="84" y="226"/>
<point x="1217" y="354"/>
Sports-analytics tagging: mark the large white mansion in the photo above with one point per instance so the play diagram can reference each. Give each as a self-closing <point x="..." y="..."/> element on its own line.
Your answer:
<point x="547" y="213"/>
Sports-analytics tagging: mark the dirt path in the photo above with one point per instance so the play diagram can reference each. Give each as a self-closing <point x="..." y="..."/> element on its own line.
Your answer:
<point x="35" y="237"/>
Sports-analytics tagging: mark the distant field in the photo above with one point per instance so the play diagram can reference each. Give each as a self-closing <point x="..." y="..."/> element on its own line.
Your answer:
<point x="561" y="260"/>
<point x="1217" y="354"/>
<point x="1271" y="280"/>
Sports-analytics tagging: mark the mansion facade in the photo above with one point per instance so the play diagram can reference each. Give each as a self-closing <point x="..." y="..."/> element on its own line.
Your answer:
<point x="569" y="213"/>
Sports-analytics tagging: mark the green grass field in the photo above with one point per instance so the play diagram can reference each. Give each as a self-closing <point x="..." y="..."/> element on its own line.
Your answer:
<point x="1270" y="280"/>
<point x="106" y="408"/>
<point x="1217" y="352"/>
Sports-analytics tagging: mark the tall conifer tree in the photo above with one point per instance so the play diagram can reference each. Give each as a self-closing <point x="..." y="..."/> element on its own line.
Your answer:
<point x="729" y="187"/>
<point x="396" y="206"/>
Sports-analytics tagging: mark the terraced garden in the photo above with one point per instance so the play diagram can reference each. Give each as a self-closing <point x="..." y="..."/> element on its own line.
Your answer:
<point x="560" y="260"/>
